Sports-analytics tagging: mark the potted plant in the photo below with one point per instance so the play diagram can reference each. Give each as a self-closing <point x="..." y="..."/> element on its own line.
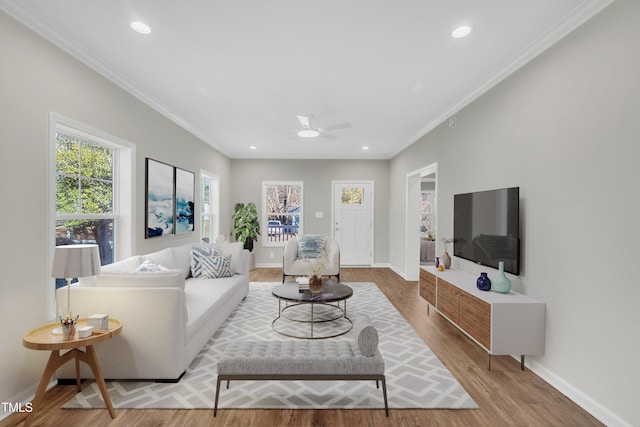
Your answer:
<point x="246" y="227"/>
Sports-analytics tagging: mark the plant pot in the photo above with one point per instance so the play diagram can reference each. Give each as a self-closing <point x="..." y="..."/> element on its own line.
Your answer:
<point x="248" y="245"/>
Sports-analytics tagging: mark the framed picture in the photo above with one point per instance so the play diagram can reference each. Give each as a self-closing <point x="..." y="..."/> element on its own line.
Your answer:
<point x="160" y="201"/>
<point x="185" y="201"/>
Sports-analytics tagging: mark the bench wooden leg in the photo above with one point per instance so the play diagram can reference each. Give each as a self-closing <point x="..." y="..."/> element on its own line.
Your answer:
<point x="215" y="404"/>
<point x="384" y="393"/>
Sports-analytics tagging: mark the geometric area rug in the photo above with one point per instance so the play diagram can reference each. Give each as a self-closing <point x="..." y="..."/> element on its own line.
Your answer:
<point x="415" y="377"/>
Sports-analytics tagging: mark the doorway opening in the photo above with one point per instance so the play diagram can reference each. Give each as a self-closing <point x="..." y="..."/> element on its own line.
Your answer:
<point x="422" y="219"/>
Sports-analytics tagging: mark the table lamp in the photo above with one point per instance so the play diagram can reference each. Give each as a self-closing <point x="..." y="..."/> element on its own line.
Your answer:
<point x="71" y="261"/>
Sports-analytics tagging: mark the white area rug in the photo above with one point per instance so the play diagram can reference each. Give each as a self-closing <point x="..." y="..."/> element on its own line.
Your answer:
<point x="415" y="376"/>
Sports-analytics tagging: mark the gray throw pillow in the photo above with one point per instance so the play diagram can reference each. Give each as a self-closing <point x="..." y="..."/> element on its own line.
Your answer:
<point x="366" y="336"/>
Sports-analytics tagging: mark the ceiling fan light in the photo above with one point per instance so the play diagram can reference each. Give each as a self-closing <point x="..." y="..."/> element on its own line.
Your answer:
<point x="308" y="133"/>
<point x="461" y="32"/>
<point x="140" y="27"/>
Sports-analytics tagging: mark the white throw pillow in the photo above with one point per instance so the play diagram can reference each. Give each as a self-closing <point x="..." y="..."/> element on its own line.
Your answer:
<point x="150" y="266"/>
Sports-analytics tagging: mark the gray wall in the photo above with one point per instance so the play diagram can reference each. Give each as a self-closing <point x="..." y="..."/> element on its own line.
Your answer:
<point x="246" y="186"/>
<point x="35" y="79"/>
<point x="564" y="129"/>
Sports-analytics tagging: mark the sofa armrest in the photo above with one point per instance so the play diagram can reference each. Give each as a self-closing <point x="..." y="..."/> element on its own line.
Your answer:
<point x="152" y="342"/>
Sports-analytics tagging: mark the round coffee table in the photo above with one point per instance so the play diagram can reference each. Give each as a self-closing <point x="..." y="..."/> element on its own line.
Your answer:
<point x="328" y="298"/>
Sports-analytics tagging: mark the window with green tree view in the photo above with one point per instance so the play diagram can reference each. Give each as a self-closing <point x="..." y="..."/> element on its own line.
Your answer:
<point x="84" y="194"/>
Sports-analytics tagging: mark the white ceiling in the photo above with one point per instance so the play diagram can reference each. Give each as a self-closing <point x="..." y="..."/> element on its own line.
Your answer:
<point x="236" y="73"/>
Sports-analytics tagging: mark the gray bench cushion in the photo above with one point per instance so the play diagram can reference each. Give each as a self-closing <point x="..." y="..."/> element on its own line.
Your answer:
<point x="298" y="357"/>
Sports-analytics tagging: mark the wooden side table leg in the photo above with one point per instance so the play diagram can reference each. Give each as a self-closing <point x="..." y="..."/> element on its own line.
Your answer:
<point x="78" y="374"/>
<point x="55" y="361"/>
<point x="90" y="359"/>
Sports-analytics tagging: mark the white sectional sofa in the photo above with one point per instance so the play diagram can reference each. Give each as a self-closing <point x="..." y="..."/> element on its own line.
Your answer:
<point x="167" y="316"/>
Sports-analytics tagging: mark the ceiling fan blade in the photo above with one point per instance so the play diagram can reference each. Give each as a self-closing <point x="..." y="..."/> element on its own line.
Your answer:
<point x="338" y="126"/>
<point x="327" y="136"/>
<point x="304" y="121"/>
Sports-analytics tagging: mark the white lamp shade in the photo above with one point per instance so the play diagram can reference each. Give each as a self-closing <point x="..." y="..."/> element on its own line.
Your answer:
<point x="75" y="261"/>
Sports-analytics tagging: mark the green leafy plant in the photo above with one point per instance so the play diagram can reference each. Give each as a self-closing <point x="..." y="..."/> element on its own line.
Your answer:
<point x="246" y="227"/>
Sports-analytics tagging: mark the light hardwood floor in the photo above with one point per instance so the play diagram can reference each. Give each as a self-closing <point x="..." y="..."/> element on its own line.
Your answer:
<point x="506" y="396"/>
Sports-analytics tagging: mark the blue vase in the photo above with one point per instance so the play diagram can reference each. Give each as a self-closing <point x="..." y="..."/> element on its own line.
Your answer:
<point x="501" y="282"/>
<point x="483" y="283"/>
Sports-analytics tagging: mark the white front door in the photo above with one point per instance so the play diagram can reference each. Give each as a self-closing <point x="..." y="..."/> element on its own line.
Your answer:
<point x="353" y="221"/>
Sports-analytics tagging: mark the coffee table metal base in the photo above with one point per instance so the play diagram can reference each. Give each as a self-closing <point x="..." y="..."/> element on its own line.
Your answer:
<point x="341" y="314"/>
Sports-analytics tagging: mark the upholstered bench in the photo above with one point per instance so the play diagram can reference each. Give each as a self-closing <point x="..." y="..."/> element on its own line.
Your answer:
<point x="357" y="359"/>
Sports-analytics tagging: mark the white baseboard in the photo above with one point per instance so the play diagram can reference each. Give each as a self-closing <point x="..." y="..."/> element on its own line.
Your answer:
<point x="269" y="265"/>
<point x="587" y="403"/>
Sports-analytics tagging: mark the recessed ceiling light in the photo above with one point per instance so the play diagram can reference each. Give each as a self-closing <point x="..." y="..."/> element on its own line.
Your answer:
<point x="253" y="147"/>
<point x="460" y="32"/>
<point x="365" y="148"/>
<point x="141" y="27"/>
<point x="308" y="133"/>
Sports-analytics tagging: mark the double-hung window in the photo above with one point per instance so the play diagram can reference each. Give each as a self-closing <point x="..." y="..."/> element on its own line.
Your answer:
<point x="282" y="211"/>
<point x="92" y="190"/>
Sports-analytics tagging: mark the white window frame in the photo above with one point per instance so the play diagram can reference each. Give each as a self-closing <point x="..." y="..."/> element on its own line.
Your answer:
<point x="124" y="174"/>
<point x="213" y="208"/>
<point x="264" y="229"/>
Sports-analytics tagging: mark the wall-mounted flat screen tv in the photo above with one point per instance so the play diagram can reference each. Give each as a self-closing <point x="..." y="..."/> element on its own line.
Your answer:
<point x="486" y="227"/>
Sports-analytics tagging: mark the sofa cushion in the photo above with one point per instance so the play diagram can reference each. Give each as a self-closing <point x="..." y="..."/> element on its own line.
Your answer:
<point x="146" y="279"/>
<point x="204" y="298"/>
<point x="174" y="258"/>
<point x="310" y="245"/>
<point x="128" y="265"/>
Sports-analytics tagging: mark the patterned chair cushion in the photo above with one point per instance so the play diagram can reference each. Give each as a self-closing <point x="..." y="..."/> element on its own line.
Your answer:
<point x="310" y="245"/>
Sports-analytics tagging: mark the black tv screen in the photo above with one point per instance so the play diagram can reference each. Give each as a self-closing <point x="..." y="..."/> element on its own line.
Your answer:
<point x="486" y="228"/>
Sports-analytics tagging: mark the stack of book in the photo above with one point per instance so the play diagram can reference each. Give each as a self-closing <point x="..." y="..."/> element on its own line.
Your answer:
<point x="303" y="283"/>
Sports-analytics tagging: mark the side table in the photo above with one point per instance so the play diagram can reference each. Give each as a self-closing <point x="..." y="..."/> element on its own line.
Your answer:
<point x="42" y="339"/>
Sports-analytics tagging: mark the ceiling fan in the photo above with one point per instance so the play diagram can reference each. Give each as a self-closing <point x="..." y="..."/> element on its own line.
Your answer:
<point x="309" y="131"/>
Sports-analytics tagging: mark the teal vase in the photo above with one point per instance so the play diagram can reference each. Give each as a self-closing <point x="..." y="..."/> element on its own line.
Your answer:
<point x="501" y="282"/>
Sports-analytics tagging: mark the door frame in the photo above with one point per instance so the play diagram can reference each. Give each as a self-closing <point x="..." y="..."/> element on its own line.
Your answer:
<point x="373" y="208"/>
<point x="412" y="220"/>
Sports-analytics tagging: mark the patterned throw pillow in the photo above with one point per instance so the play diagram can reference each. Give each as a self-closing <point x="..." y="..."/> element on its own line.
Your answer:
<point x="208" y="263"/>
<point x="310" y="245"/>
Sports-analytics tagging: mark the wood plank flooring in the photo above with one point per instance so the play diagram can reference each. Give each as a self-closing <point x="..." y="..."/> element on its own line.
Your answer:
<point x="506" y="396"/>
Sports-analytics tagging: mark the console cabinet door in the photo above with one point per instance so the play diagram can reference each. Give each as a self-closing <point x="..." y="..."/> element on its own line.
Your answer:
<point x="475" y="318"/>
<point x="428" y="287"/>
<point x="448" y="300"/>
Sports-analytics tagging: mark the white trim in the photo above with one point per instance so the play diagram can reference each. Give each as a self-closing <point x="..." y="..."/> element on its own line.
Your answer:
<point x="124" y="190"/>
<point x="573" y="20"/>
<point x="599" y="411"/>
<point x="412" y="219"/>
